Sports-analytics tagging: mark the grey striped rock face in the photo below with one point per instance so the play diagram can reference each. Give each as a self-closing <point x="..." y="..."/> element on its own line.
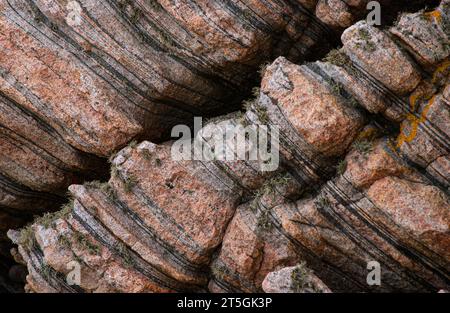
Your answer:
<point x="363" y="146"/>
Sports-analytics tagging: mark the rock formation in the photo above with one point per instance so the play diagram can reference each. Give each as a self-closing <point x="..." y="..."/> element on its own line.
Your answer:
<point x="81" y="79"/>
<point x="363" y="141"/>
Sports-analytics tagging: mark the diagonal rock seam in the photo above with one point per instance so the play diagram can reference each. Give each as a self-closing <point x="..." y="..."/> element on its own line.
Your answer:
<point x="158" y="225"/>
<point x="72" y="91"/>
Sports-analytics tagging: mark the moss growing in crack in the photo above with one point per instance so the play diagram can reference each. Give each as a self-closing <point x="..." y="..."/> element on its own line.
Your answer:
<point x="370" y="46"/>
<point x="241" y="117"/>
<point x="253" y="105"/>
<point x="219" y="273"/>
<point x="133" y="144"/>
<point x="353" y="102"/>
<point x="322" y="202"/>
<point x="337" y="57"/>
<point x="26" y="237"/>
<point x="46" y="271"/>
<point x="248" y="104"/>
<point x="96" y="184"/>
<point x="336" y="88"/>
<point x="262" y="68"/>
<point x="64" y="241"/>
<point x="341" y="167"/>
<point x="256" y="91"/>
<point x="269" y="187"/>
<point x="364" y="34"/>
<point x="86" y="244"/>
<point x="129" y="183"/>
<point x="112" y="157"/>
<point x="48" y="219"/>
<point x="263" y="221"/>
<point x="262" y="114"/>
<point x="114" y="171"/>
<point x="109" y="191"/>
<point x="254" y="204"/>
<point x="146" y="154"/>
<point x="363" y="146"/>
<point x="300" y="279"/>
<point x="125" y="254"/>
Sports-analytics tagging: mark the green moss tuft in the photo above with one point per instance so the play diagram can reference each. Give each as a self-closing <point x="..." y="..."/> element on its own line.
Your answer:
<point x="322" y="202"/>
<point x="125" y="254"/>
<point x="341" y="167"/>
<point x="129" y="183"/>
<point x="363" y="146"/>
<point x="300" y="279"/>
<point x="26" y="238"/>
<point x="48" y="219"/>
<point x="86" y="244"/>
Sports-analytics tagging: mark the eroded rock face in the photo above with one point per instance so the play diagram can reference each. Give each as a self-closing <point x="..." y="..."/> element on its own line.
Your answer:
<point x="80" y="79"/>
<point x="295" y="279"/>
<point x="363" y="174"/>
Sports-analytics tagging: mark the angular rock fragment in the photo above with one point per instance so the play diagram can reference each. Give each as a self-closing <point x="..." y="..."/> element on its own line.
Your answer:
<point x="252" y="247"/>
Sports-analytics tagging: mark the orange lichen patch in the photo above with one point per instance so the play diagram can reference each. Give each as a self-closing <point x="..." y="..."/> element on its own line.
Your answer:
<point x="413" y="100"/>
<point x="414" y="124"/>
<point x="443" y="70"/>
<point x="436" y="15"/>
<point x="368" y="134"/>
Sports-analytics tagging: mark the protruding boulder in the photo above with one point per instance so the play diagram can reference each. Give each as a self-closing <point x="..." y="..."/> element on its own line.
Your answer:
<point x="295" y="279"/>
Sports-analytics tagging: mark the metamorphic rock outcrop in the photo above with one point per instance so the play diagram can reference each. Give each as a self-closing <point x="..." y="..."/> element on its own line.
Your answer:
<point x="364" y="126"/>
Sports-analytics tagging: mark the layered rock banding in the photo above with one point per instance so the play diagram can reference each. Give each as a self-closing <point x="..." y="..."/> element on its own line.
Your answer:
<point x="81" y="79"/>
<point x="383" y="205"/>
<point x="164" y="225"/>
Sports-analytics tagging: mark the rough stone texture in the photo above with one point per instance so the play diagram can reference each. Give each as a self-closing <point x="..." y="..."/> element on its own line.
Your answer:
<point x="80" y="79"/>
<point x="378" y="54"/>
<point x="363" y="144"/>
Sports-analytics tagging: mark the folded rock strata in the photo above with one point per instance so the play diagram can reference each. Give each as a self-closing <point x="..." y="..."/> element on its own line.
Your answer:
<point x="388" y="207"/>
<point x="377" y="110"/>
<point x="81" y="79"/>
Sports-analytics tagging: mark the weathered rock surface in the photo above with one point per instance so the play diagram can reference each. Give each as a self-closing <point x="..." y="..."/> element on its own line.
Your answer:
<point x="363" y="141"/>
<point x="384" y="205"/>
<point x="80" y="79"/>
